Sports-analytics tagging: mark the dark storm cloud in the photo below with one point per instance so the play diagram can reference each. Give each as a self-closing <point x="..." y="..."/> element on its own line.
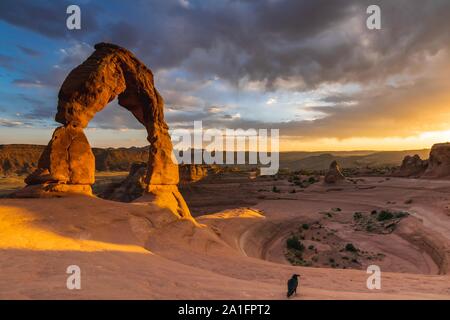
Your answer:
<point x="293" y="45"/>
<point x="313" y="41"/>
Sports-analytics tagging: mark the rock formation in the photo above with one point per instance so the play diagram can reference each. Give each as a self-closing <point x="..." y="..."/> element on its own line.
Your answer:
<point x="334" y="174"/>
<point x="192" y="172"/>
<point x="68" y="165"/>
<point x="134" y="185"/>
<point x="131" y="188"/>
<point x="439" y="161"/>
<point x="412" y="166"/>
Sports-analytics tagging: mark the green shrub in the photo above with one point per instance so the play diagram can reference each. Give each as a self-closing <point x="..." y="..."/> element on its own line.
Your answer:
<point x="357" y="215"/>
<point x="275" y="189"/>
<point x="350" y="247"/>
<point x="294" y="243"/>
<point x="384" y="215"/>
<point x="305" y="226"/>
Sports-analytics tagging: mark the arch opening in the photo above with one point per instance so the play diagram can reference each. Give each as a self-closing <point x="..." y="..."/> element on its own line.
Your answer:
<point x="67" y="165"/>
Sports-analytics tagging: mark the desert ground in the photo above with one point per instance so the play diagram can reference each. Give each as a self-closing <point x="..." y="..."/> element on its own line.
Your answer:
<point x="236" y="246"/>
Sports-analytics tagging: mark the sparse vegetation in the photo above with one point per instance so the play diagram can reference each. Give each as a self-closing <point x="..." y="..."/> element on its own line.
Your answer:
<point x="350" y="247"/>
<point x="384" y="215"/>
<point x="382" y="222"/>
<point x="357" y="216"/>
<point x="335" y="253"/>
<point x="293" y="242"/>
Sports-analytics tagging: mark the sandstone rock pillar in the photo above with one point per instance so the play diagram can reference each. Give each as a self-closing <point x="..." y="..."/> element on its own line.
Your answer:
<point x="67" y="165"/>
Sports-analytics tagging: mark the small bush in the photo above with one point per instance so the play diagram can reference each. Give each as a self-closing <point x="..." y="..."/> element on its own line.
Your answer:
<point x="384" y="215"/>
<point x="312" y="180"/>
<point x="357" y="215"/>
<point x="305" y="226"/>
<point x="350" y="247"/>
<point x="294" y="243"/>
<point x="311" y="247"/>
<point x="275" y="189"/>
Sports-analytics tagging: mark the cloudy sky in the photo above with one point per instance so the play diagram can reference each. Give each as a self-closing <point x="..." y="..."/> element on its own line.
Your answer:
<point x="310" y="68"/>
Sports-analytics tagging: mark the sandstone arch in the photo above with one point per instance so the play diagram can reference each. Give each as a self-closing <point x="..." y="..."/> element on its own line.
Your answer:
<point x="67" y="165"/>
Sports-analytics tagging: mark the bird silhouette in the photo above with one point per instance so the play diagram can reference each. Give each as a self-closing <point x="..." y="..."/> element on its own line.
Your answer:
<point x="292" y="285"/>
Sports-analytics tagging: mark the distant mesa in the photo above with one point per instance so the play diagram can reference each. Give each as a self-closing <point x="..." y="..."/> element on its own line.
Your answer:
<point x="67" y="165"/>
<point x="334" y="174"/>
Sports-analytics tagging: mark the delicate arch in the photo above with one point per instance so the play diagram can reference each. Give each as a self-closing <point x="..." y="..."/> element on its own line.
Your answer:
<point x="110" y="72"/>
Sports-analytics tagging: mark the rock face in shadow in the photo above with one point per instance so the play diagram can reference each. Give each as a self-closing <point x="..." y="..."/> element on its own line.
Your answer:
<point x="192" y="172"/>
<point x="412" y="166"/>
<point x="439" y="161"/>
<point x="334" y="174"/>
<point x="134" y="185"/>
<point x="110" y="72"/>
<point x="131" y="188"/>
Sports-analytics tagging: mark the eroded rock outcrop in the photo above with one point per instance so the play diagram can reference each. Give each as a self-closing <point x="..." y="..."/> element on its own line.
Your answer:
<point x="110" y="72"/>
<point x="134" y="185"/>
<point x="439" y="161"/>
<point x="192" y="172"/>
<point x="334" y="174"/>
<point x="411" y="167"/>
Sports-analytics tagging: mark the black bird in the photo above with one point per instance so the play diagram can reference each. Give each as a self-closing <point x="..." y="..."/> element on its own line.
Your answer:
<point x="292" y="285"/>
